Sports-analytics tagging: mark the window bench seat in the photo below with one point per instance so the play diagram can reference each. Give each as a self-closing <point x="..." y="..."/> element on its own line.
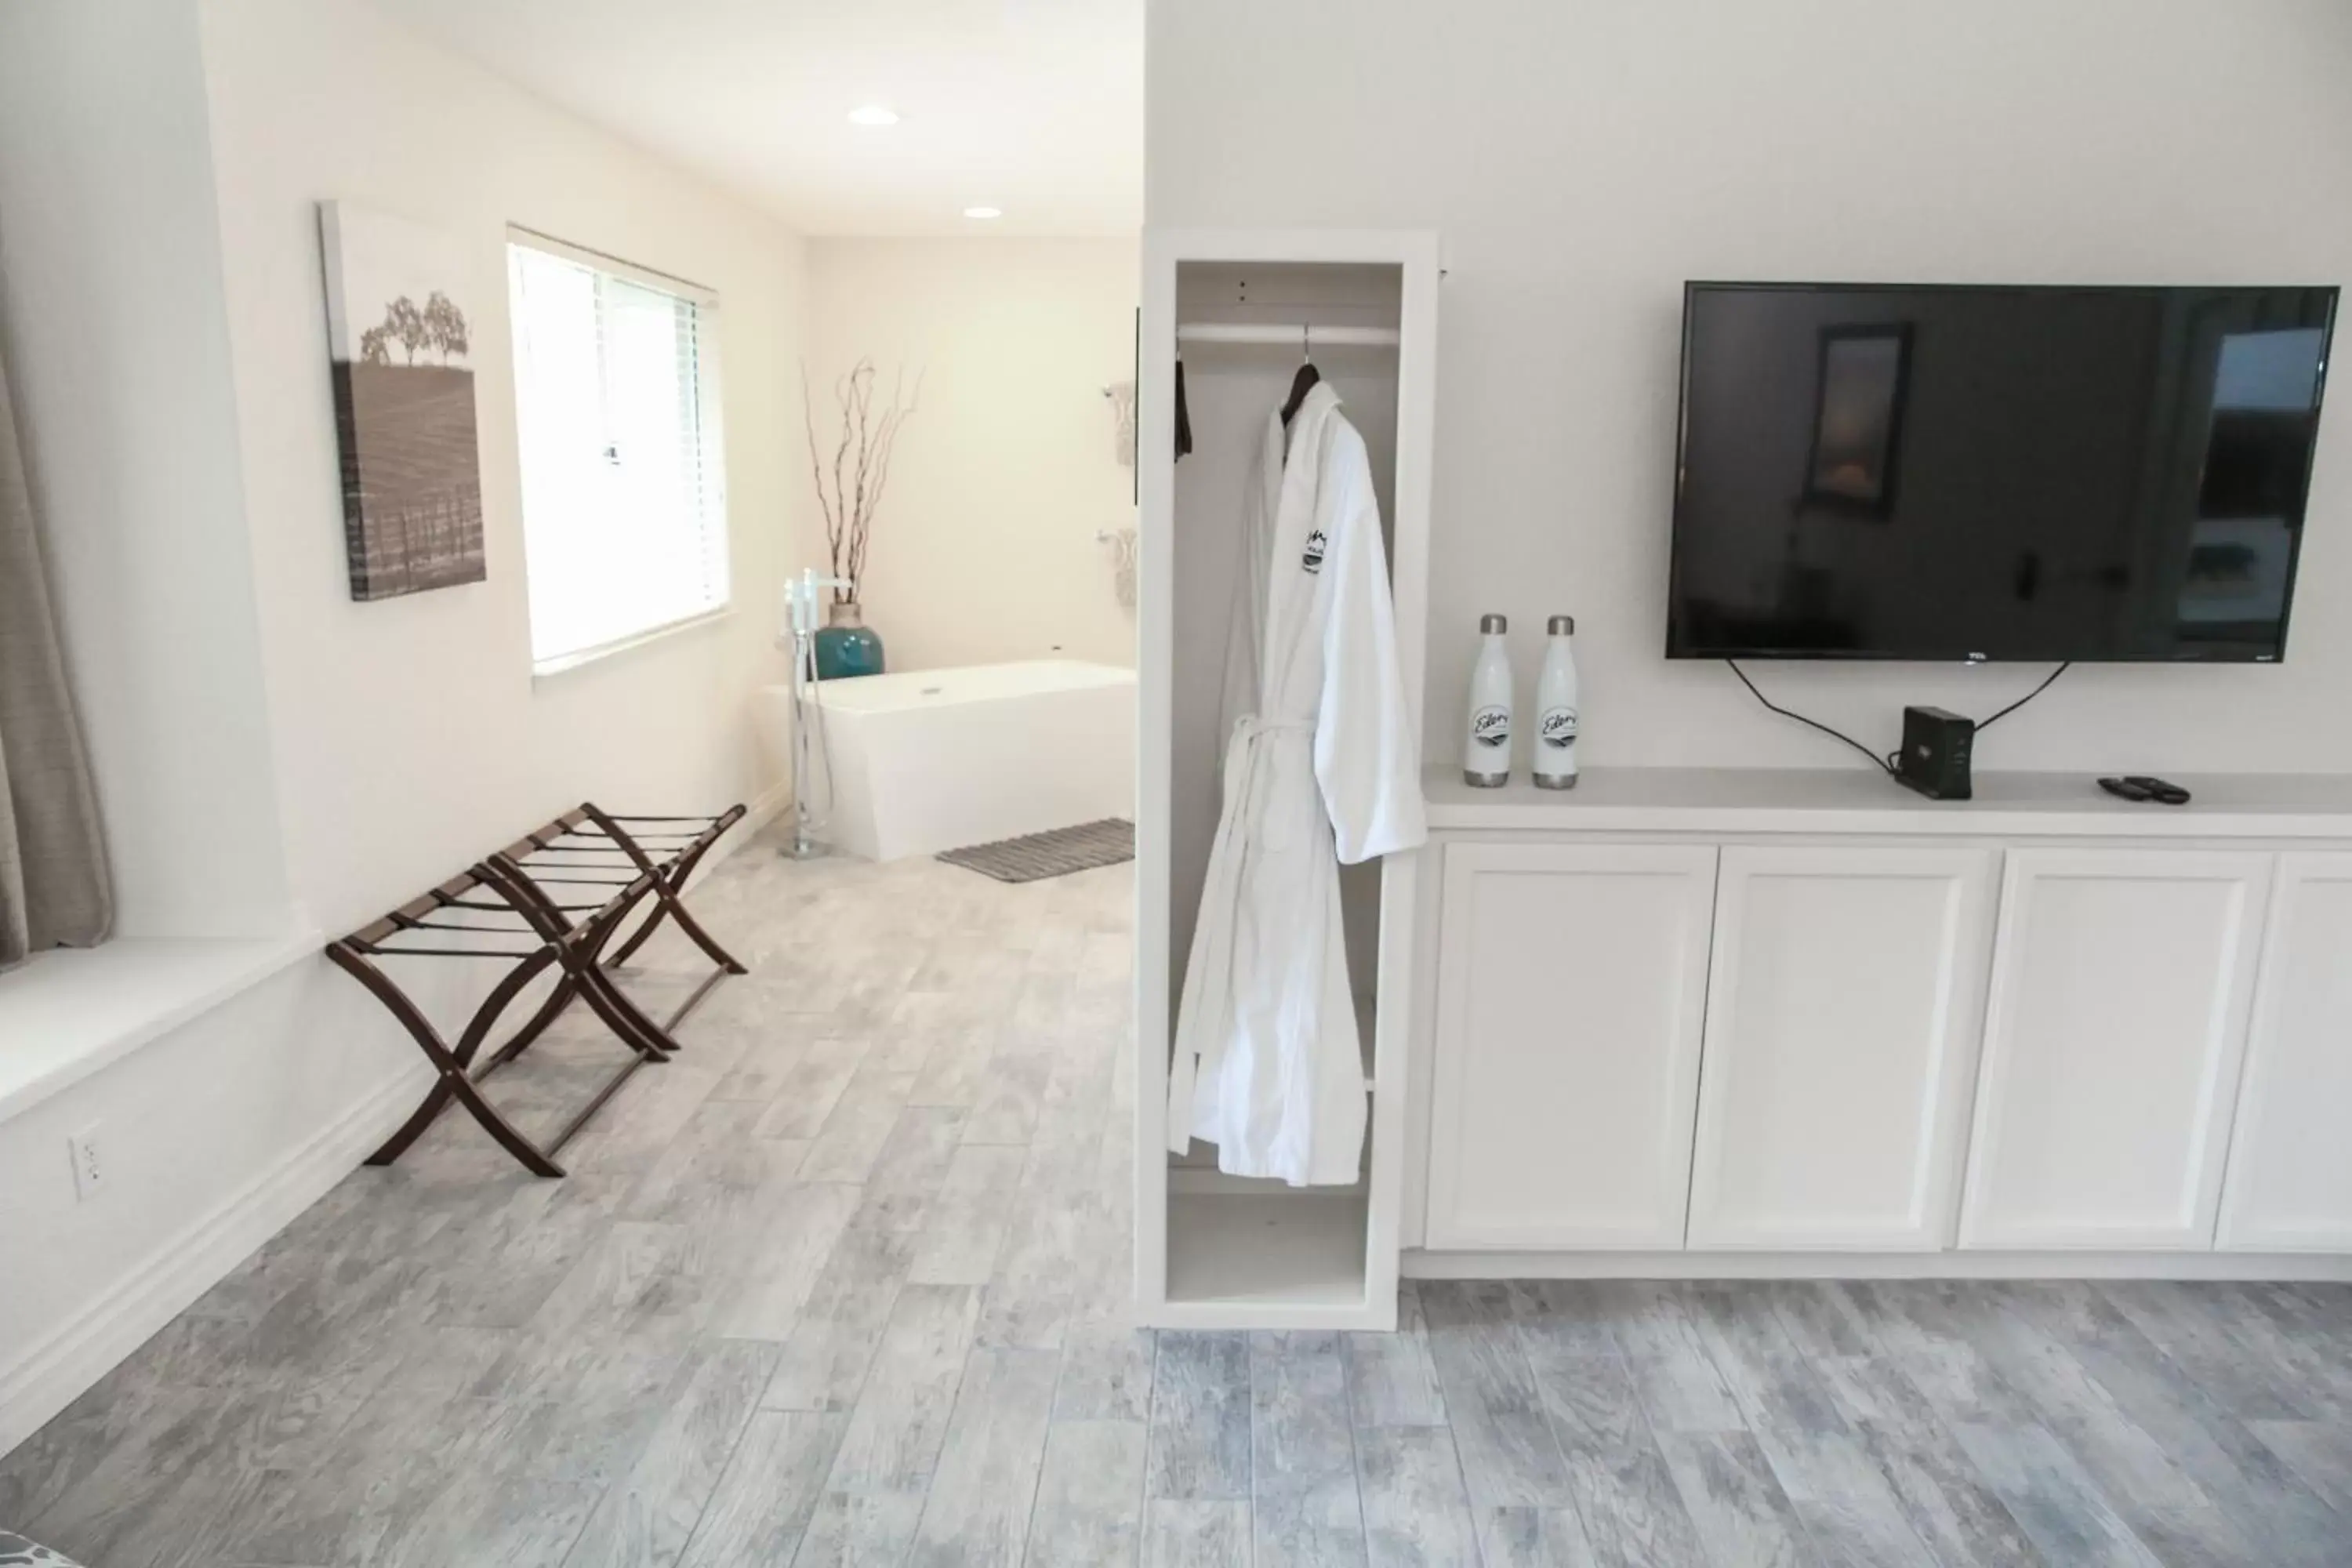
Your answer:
<point x="69" y="1013"/>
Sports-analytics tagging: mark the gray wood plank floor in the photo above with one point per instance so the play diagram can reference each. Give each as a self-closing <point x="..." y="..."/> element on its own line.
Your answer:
<point x="845" y="1284"/>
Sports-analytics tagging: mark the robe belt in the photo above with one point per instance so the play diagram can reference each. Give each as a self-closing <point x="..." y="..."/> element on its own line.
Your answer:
<point x="1242" y="754"/>
<point x="1249" y="727"/>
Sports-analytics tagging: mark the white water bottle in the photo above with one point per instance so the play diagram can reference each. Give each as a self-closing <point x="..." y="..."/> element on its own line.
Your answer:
<point x="1486" y="749"/>
<point x="1555" y="724"/>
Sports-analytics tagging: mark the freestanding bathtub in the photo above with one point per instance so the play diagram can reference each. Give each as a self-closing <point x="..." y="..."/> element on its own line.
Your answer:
<point x="941" y="759"/>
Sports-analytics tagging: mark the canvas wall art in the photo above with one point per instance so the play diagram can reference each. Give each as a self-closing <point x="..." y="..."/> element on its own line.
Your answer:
<point x="399" y="331"/>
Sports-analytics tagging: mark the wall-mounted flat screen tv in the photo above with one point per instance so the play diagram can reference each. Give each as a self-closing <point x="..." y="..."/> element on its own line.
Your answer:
<point x="1899" y="472"/>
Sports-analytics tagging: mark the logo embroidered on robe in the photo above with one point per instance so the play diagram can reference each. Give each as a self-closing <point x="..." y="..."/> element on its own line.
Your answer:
<point x="1313" y="559"/>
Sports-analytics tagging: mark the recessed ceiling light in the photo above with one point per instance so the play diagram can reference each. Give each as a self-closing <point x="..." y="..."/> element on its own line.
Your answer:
<point x="873" y="114"/>
<point x="983" y="212"/>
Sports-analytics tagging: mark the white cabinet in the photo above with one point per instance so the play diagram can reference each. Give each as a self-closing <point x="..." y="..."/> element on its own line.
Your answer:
<point x="2114" y="1028"/>
<point x="1572" y="986"/>
<point x="1776" y="1017"/>
<point x="1844" y="1006"/>
<point x="2290" y="1181"/>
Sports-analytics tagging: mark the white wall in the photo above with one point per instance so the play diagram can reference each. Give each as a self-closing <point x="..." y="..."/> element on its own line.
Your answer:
<point x="1584" y="159"/>
<point x="984" y="548"/>
<point x="412" y="735"/>
<point x="385" y="744"/>
<point x="118" y="356"/>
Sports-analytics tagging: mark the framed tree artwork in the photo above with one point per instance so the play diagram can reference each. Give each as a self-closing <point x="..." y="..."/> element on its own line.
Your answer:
<point x="1857" y="444"/>
<point x="400" y="338"/>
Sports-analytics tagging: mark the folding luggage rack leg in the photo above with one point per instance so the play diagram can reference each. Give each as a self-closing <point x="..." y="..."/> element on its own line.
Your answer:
<point x="668" y="886"/>
<point x="455" y="1081"/>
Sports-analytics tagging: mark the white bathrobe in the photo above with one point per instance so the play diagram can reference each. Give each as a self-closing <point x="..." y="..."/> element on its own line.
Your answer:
<point x="1321" y="768"/>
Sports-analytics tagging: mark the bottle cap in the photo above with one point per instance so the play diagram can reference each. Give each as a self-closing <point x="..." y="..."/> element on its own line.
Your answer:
<point x="1561" y="625"/>
<point x="1493" y="624"/>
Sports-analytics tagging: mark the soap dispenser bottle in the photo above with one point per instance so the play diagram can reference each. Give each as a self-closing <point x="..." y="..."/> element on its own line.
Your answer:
<point x="1554" y="766"/>
<point x="1486" y="749"/>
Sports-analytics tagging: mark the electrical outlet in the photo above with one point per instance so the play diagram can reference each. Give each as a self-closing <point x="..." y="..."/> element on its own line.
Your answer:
<point x="89" y="1171"/>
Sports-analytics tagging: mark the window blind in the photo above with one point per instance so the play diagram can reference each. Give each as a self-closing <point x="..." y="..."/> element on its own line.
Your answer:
<point x="624" y="491"/>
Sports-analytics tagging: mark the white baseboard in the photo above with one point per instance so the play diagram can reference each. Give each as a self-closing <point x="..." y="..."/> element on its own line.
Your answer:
<point x="761" y="810"/>
<point x="57" y="1370"/>
<point x="2324" y="1266"/>
<point x="1207" y="1181"/>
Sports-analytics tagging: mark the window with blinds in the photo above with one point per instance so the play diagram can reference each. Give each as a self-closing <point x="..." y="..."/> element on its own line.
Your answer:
<point x="616" y="416"/>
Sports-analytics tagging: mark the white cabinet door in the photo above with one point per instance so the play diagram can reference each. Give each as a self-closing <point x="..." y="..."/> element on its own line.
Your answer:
<point x="1844" y="1006"/>
<point x="1572" y="986"/>
<point x="2290" y="1182"/>
<point x="2114" y="1032"/>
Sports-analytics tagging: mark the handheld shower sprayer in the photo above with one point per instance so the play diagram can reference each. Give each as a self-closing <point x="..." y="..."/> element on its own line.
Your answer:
<point x="803" y="596"/>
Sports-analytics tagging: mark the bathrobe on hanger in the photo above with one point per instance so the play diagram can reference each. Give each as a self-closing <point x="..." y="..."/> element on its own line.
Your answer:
<point x="1321" y="768"/>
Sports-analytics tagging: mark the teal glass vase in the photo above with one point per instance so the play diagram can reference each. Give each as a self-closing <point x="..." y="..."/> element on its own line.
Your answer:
<point x="847" y="646"/>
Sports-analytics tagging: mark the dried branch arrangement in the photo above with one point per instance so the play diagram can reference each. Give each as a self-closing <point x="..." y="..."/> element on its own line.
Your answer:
<point x="860" y="466"/>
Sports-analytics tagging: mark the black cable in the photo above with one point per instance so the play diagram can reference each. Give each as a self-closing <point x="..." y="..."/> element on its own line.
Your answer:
<point x="1886" y="762"/>
<point x="1984" y="725"/>
<point x="1883" y="764"/>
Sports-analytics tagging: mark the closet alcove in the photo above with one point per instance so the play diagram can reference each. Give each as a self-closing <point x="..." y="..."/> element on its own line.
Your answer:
<point x="1244" y="309"/>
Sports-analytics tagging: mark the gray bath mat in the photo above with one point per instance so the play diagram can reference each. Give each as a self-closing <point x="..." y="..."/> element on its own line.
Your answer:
<point x="1037" y="856"/>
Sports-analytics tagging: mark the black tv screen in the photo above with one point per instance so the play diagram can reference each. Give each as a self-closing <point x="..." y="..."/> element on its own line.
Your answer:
<point x="1898" y="472"/>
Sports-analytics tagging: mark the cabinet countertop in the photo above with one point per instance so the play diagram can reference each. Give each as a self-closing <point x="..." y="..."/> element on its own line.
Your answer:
<point x="1859" y="801"/>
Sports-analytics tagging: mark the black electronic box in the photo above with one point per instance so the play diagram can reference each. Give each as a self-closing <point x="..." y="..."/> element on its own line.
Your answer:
<point x="1935" y="756"/>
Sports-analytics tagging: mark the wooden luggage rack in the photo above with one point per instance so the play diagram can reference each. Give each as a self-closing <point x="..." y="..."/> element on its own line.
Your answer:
<point x="519" y="905"/>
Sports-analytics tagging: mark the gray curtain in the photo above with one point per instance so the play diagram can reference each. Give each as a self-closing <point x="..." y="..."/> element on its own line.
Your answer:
<point x="53" y="883"/>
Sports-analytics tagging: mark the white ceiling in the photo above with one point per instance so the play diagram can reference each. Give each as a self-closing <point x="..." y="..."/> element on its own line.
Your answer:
<point x="1034" y="106"/>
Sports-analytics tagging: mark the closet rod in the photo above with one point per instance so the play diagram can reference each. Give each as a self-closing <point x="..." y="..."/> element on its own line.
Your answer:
<point x="1289" y="334"/>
